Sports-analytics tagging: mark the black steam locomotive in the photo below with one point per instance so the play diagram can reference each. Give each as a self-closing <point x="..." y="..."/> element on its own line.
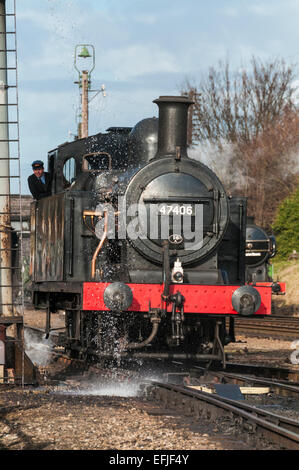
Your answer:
<point x="141" y="246"/>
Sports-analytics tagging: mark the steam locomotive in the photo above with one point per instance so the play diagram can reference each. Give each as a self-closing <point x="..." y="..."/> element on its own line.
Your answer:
<point x="141" y="246"/>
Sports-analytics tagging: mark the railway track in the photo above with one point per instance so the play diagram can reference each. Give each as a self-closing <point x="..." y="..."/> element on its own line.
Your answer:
<point x="282" y="374"/>
<point x="280" y="388"/>
<point x="282" y="327"/>
<point x="256" y="422"/>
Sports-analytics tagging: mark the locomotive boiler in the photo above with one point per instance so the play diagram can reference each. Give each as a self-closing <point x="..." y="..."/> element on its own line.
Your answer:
<point x="141" y="246"/>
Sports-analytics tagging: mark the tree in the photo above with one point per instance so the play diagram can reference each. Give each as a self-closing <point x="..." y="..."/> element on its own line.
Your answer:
<point x="250" y="122"/>
<point x="236" y="107"/>
<point x="267" y="167"/>
<point x="286" y="225"/>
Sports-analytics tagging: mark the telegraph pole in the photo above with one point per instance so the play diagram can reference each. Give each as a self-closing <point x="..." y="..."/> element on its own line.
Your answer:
<point x="193" y="114"/>
<point x="87" y="52"/>
<point x="85" y="86"/>
<point x="192" y="96"/>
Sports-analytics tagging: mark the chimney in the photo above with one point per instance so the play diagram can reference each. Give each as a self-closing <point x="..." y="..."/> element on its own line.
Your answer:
<point x="173" y="122"/>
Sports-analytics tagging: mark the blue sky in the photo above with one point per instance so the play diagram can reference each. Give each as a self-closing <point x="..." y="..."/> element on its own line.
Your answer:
<point x="143" y="49"/>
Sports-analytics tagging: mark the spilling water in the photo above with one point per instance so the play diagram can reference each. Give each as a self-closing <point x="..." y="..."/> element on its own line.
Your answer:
<point x="105" y="384"/>
<point x="112" y="389"/>
<point x="38" y="350"/>
<point x="113" y="382"/>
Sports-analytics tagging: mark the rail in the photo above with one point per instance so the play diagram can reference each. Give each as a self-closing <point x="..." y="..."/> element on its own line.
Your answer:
<point x="278" y="429"/>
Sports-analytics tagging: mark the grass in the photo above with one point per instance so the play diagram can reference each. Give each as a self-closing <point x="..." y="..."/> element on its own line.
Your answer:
<point x="288" y="272"/>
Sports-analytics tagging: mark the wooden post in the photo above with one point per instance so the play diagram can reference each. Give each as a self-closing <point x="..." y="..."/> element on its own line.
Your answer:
<point x="84" y="129"/>
<point x="190" y="118"/>
<point x="2" y="353"/>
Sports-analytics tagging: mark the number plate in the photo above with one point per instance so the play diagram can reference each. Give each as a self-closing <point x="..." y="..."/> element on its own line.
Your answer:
<point x="176" y="209"/>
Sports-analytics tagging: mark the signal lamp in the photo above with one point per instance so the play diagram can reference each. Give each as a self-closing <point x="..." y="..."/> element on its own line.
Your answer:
<point x="84" y="53"/>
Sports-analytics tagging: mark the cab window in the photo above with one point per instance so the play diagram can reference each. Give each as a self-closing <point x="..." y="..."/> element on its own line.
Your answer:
<point x="98" y="161"/>
<point x="69" y="172"/>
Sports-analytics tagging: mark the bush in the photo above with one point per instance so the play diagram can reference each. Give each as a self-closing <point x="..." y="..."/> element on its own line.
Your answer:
<point x="286" y="225"/>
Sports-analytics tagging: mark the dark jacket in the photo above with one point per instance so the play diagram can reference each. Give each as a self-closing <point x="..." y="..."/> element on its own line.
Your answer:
<point x="37" y="188"/>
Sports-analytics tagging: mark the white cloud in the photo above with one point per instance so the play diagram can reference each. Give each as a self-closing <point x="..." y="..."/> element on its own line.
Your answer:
<point x="232" y="12"/>
<point x="138" y="59"/>
<point x="145" y="18"/>
<point x="55" y="59"/>
<point x="261" y="10"/>
<point x="51" y="22"/>
<point x="274" y="8"/>
<point x="116" y="47"/>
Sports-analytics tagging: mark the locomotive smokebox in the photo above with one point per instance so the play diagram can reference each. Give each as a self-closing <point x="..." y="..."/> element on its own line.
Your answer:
<point x="173" y="121"/>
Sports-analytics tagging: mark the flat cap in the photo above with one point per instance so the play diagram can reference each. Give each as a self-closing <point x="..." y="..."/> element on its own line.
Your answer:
<point x="37" y="163"/>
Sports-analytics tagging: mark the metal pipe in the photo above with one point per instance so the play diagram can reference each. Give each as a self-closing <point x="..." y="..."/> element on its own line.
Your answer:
<point x="166" y="270"/>
<point x="220" y="345"/>
<point x="146" y="341"/>
<point x="145" y="355"/>
<point x="5" y="225"/>
<point x="99" y="247"/>
<point x="150" y="355"/>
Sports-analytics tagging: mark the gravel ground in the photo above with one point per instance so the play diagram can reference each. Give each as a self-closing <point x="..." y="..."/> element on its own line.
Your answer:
<point x="274" y="352"/>
<point x="52" y="418"/>
<point x="46" y="421"/>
